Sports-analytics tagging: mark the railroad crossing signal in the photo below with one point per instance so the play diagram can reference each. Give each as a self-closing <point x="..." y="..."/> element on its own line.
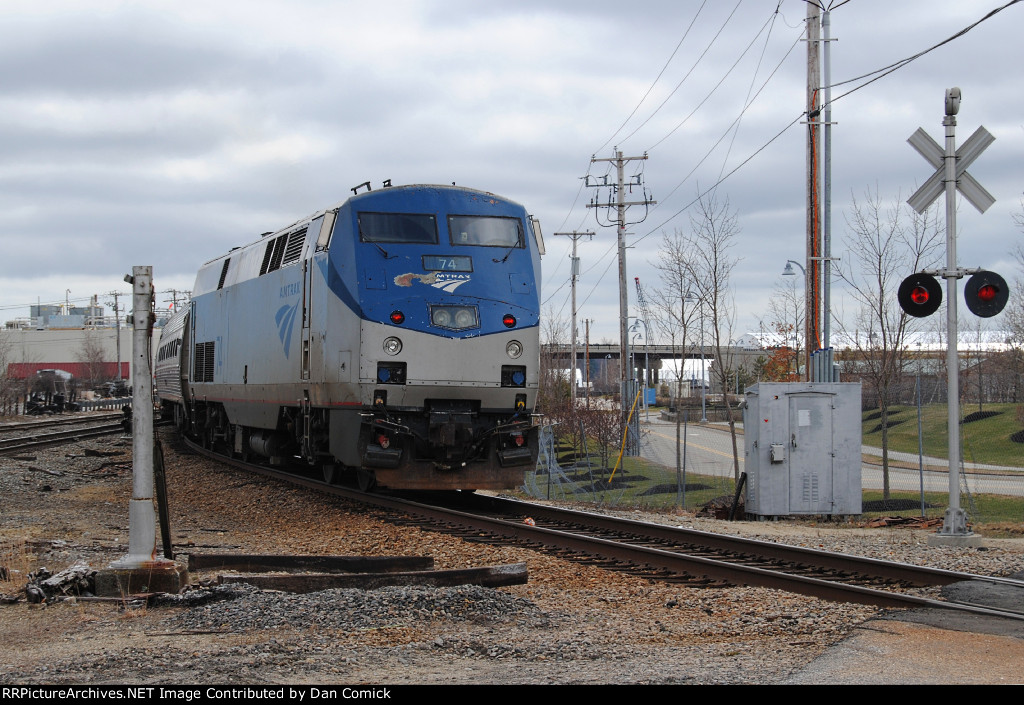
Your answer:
<point x="965" y="183"/>
<point x="986" y="294"/>
<point x="920" y="295"/>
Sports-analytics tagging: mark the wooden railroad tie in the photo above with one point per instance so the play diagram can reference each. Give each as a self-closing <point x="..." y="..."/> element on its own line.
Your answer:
<point x="302" y="574"/>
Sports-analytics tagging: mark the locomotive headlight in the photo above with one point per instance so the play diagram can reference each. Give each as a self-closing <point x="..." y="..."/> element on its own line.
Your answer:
<point x="442" y="317"/>
<point x="464" y="318"/>
<point x="392" y="345"/>
<point x="454" y="317"/>
<point x="514" y="349"/>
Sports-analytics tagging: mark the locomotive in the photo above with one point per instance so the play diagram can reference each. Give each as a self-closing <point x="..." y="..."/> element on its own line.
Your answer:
<point x="394" y="336"/>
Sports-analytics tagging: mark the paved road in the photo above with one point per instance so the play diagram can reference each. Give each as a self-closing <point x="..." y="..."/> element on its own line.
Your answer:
<point x="709" y="451"/>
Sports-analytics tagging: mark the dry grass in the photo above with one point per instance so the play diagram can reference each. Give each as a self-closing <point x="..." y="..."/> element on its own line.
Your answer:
<point x="16" y="562"/>
<point x="1001" y="530"/>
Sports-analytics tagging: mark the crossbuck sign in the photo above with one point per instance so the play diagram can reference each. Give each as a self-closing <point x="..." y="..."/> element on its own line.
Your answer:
<point x="965" y="183"/>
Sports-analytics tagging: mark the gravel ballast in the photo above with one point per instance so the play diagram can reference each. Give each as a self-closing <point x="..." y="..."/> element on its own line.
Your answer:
<point x="572" y="623"/>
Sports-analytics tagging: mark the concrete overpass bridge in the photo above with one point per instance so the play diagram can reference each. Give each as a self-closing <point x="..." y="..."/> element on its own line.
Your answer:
<point x="649" y="360"/>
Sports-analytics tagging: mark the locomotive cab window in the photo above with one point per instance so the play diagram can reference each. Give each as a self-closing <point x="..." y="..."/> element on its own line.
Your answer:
<point x="398" y="227"/>
<point x="485" y="230"/>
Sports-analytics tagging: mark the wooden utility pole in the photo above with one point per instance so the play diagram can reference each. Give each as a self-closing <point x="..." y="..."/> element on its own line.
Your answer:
<point x="573" y="276"/>
<point x="117" y="330"/>
<point x="621" y="204"/>
<point x="812" y="267"/>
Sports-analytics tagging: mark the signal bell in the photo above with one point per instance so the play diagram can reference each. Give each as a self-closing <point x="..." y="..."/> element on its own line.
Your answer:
<point x="986" y="294"/>
<point x="920" y="295"/>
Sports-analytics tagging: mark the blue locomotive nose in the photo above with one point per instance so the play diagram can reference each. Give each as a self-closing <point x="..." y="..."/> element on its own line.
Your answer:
<point x="411" y="292"/>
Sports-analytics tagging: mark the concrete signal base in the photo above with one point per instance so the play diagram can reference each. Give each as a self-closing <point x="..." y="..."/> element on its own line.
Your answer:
<point x="969" y="540"/>
<point x="158" y="576"/>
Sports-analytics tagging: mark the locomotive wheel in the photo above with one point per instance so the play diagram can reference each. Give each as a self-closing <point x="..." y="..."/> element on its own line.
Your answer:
<point x="330" y="471"/>
<point x="366" y="479"/>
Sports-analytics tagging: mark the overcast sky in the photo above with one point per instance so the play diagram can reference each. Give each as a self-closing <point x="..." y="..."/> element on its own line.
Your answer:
<point x="165" y="133"/>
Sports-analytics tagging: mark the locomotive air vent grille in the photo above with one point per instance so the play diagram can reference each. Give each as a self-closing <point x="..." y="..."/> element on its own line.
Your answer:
<point x="223" y="273"/>
<point x="205" y="356"/>
<point x="294" y="248"/>
<point x="275" y="260"/>
<point x="266" y="258"/>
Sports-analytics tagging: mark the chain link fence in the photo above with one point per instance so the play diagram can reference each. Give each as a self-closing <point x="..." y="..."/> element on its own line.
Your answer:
<point x="702" y="474"/>
<point x="697" y="472"/>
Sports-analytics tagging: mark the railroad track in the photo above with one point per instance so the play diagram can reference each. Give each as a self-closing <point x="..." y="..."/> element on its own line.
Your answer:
<point x="15" y="438"/>
<point x="656" y="552"/>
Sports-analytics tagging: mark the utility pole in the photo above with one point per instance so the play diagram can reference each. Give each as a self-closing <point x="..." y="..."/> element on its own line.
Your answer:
<point x="586" y="365"/>
<point x="621" y="204"/>
<point x="826" y="211"/>
<point x="573" y="276"/>
<point x="813" y="182"/>
<point x="117" y="330"/>
<point x="174" y="296"/>
<point x="646" y="313"/>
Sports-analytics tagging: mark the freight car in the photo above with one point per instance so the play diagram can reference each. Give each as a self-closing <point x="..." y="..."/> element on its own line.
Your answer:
<point x="393" y="336"/>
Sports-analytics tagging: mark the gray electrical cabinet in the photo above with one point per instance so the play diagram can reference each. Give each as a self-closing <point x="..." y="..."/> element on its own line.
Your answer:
<point x="803" y="448"/>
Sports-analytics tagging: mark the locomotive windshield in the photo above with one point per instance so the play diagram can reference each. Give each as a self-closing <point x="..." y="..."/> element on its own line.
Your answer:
<point x="485" y="230"/>
<point x="398" y="227"/>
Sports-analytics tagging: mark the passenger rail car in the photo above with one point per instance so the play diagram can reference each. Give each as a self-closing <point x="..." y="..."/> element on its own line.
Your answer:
<point x="394" y="336"/>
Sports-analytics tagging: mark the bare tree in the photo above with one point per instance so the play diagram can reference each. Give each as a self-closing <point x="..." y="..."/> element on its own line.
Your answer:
<point x="714" y="229"/>
<point x="1014" y="357"/>
<point x="885" y="244"/>
<point x="678" y="305"/>
<point x="676" y="299"/>
<point x="553" y="397"/>
<point x="786" y="309"/>
<point x="9" y="388"/>
<point x="93" y="358"/>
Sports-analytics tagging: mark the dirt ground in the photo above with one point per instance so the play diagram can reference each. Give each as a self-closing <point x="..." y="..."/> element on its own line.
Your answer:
<point x="572" y="624"/>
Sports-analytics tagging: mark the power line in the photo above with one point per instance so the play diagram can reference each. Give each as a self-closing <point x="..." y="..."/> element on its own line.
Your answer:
<point x="657" y="78"/>
<point x="713" y="90"/>
<point x="688" y="73"/>
<point x="886" y="70"/>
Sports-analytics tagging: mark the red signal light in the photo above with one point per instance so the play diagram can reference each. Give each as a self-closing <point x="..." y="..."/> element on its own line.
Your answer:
<point x="919" y="295"/>
<point x="397" y="317"/>
<point x="987" y="293"/>
<point x="509" y="320"/>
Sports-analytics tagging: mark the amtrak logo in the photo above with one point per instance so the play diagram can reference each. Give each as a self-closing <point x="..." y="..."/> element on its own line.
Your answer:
<point x="445" y="281"/>
<point x="285" y="319"/>
<point x="449" y="282"/>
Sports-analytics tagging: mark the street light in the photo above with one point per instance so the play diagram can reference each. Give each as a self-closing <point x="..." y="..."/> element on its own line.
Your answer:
<point x="788" y="272"/>
<point x="643" y="383"/>
<point x="632" y="351"/>
<point x="691" y="297"/>
<point x="681" y="456"/>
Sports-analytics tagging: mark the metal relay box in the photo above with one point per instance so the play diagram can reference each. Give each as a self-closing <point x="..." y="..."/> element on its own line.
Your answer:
<point x="803" y="448"/>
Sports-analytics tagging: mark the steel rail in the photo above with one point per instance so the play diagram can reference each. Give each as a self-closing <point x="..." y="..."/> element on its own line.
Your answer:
<point x="746" y="547"/>
<point x="676" y="563"/>
<point x="20" y="443"/>
<point x="71" y="417"/>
